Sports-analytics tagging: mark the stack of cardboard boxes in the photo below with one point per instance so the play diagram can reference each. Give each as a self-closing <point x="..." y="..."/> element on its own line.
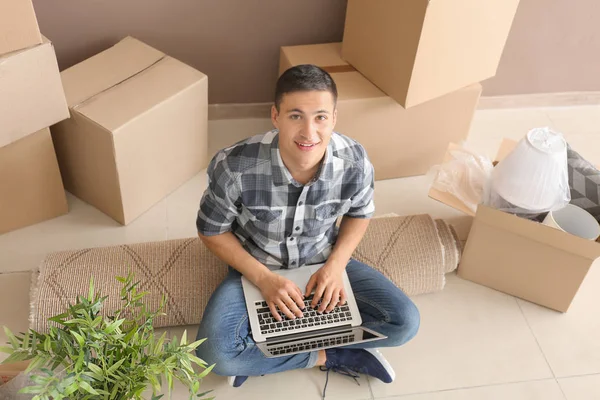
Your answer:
<point x="408" y="75"/>
<point x="128" y="125"/>
<point x="31" y="99"/>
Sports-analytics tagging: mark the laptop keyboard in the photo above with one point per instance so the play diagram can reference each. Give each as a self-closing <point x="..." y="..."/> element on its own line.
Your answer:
<point x="311" y="344"/>
<point x="311" y="318"/>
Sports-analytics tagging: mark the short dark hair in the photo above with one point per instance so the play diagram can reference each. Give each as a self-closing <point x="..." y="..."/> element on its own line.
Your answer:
<point x="304" y="77"/>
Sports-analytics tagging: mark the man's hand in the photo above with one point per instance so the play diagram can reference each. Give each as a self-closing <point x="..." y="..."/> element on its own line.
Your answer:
<point x="283" y="293"/>
<point x="328" y="286"/>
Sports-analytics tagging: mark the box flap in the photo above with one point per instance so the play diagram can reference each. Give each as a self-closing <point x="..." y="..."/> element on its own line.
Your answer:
<point x="107" y="69"/>
<point x="539" y="232"/>
<point x="323" y="55"/>
<point x="352" y="85"/>
<point x="122" y="103"/>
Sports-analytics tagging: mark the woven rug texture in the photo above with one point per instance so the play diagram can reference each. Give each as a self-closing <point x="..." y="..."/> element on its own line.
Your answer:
<point x="414" y="252"/>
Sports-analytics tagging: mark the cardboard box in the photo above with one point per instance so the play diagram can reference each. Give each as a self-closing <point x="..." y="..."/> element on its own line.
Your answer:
<point x="138" y="128"/>
<point x="18" y="26"/>
<point x="520" y="257"/>
<point x="32" y="90"/>
<point x="31" y="189"/>
<point x="400" y="142"/>
<point x="419" y="50"/>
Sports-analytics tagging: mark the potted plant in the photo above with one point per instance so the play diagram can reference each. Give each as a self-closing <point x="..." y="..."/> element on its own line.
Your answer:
<point x="86" y="355"/>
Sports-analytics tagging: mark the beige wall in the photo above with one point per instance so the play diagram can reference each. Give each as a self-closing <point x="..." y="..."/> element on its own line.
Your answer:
<point x="554" y="44"/>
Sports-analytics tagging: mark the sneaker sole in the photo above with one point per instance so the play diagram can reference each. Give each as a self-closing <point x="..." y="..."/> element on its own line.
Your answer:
<point x="375" y="353"/>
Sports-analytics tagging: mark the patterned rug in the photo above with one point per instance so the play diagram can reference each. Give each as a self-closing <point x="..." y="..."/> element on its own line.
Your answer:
<point x="414" y="252"/>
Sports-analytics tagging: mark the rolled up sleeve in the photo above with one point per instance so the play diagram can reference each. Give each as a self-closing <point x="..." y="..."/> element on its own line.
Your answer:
<point x="363" y="205"/>
<point x="218" y="209"/>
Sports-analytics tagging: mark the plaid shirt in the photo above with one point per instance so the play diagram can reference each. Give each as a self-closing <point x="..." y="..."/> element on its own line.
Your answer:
<point x="279" y="221"/>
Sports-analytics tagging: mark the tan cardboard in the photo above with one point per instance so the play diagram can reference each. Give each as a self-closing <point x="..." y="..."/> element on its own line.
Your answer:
<point x="520" y="257"/>
<point x="138" y="128"/>
<point x="31" y="94"/>
<point x="31" y="188"/>
<point x="419" y="50"/>
<point x="18" y="26"/>
<point x="400" y="142"/>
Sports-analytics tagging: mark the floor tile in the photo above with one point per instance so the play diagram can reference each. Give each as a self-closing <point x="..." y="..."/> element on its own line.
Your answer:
<point x="575" y="120"/>
<point x="470" y="336"/>
<point x="570" y="341"/>
<point x="182" y="207"/>
<point x="83" y="226"/>
<point x="507" y="123"/>
<point x="581" y="387"/>
<point x="536" y="390"/>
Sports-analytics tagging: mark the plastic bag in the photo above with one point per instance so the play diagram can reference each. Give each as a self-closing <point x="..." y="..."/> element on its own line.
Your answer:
<point x="466" y="176"/>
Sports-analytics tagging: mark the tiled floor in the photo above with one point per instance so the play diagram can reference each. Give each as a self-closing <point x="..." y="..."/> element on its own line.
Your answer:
<point x="475" y="343"/>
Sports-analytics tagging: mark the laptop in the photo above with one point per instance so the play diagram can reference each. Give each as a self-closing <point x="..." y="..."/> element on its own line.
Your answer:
<point x="340" y="327"/>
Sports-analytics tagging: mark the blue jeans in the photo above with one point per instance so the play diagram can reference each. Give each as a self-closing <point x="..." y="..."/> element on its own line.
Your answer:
<point x="383" y="307"/>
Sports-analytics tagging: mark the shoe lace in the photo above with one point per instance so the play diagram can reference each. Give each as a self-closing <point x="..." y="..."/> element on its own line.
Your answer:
<point x="340" y="370"/>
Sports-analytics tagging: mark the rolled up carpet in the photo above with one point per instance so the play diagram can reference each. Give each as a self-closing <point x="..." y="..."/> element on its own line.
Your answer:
<point x="414" y="252"/>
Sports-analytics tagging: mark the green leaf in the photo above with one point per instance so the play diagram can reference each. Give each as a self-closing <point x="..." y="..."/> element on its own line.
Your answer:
<point x="91" y="291"/>
<point x="79" y="362"/>
<point x="47" y="344"/>
<point x="114" y="325"/>
<point x="196" y="386"/>
<point x="95" y="368"/>
<point x="183" y="338"/>
<point x="204" y="393"/>
<point x="170" y="379"/>
<point x="86" y="386"/>
<point x="13" y="340"/>
<point x="6" y="349"/>
<point x="194" y="345"/>
<point x="31" y="389"/>
<point x="205" y="372"/>
<point x="79" y="338"/>
<point x="14" y="357"/>
<point x="72" y="388"/>
<point x="37" y="362"/>
<point x="112" y="369"/>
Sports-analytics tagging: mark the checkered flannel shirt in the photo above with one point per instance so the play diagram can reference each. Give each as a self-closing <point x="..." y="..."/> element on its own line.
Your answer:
<point x="279" y="221"/>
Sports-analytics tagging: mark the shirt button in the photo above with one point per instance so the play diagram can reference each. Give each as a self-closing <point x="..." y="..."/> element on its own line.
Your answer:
<point x="297" y="228"/>
<point x="300" y="203"/>
<point x="291" y="239"/>
<point x="293" y="262"/>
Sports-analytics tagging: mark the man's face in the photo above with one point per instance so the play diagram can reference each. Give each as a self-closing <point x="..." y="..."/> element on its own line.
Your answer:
<point x="305" y="121"/>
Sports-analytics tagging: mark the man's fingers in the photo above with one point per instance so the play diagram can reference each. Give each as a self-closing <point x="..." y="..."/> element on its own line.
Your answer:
<point x="310" y="285"/>
<point x="318" y="295"/>
<point x="293" y="307"/>
<point x="326" y="299"/>
<point x="274" y="312"/>
<point x="343" y="297"/>
<point x="284" y="309"/>
<point x="335" y="297"/>
<point x="297" y="299"/>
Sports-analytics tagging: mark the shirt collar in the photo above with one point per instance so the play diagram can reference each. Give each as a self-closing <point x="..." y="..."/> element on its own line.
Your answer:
<point x="282" y="176"/>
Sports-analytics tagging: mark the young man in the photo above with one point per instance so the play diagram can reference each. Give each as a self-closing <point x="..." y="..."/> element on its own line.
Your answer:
<point x="272" y="202"/>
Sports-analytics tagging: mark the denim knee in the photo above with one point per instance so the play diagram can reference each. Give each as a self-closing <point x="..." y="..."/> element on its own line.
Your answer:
<point x="223" y="358"/>
<point x="405" y="326"/>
